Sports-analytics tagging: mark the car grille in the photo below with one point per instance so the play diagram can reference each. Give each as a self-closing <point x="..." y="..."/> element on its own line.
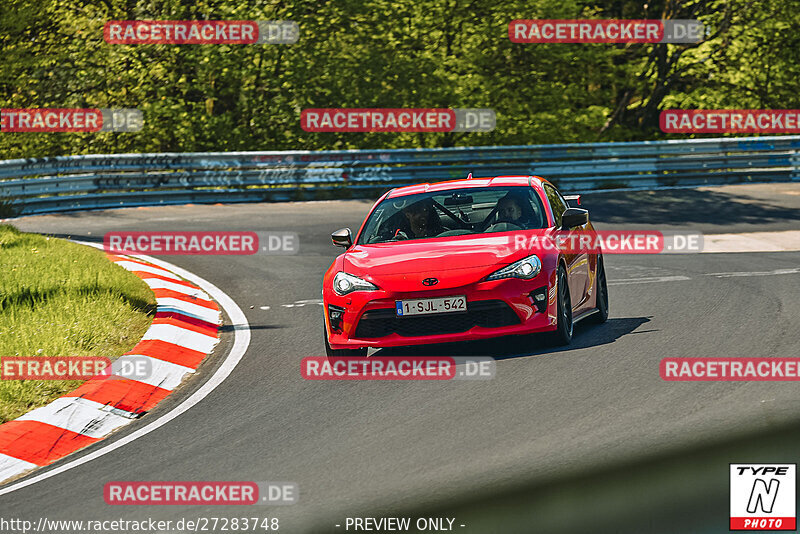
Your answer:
<point x="485" y="313"/>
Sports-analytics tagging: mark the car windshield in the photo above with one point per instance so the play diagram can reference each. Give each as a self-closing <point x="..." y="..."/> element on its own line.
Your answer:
<point x="453" y="213"/>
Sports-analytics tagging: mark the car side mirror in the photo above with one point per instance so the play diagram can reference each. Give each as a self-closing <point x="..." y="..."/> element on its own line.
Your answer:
<point x="573" y="217"/>
<point x="342" y="238"/>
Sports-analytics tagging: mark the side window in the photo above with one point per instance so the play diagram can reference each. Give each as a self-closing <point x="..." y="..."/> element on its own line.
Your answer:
<point x="558" y="204"/>
<point x="539" y="219"/>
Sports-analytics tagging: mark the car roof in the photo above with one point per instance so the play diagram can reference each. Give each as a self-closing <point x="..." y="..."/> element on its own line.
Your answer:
<point x="465" y="183"/>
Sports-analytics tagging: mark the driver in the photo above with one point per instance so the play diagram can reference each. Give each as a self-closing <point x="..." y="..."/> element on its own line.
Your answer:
<point x="422" y="219"/>
<point x="509" y="209"/>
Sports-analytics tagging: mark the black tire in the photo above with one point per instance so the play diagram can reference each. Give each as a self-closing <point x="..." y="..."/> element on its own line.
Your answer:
<point x="602" y="294"/>
<point x="333" y="353"/>
<point x="563" y="333"/>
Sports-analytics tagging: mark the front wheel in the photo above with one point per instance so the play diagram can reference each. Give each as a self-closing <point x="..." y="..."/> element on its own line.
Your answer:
<point x="332" y="353"/>
<point x="563" y="332"/>
<point x="602" y="294"/>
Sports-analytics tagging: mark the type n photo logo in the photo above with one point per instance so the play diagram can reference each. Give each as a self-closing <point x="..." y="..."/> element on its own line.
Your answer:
<point x="763" y="496"/>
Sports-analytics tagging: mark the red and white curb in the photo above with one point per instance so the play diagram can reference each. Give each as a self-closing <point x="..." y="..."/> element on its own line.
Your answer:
<point x="184" y="331"/>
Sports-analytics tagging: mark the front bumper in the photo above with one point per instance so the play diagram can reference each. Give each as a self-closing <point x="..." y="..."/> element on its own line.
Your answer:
<point x="496" y="308"/>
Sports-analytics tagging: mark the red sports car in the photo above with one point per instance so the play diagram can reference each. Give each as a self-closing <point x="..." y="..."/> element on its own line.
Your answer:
<point x="451" y="261"/>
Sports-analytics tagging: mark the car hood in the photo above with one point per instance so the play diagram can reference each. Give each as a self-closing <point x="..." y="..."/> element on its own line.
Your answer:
<point x="401" y="266"/>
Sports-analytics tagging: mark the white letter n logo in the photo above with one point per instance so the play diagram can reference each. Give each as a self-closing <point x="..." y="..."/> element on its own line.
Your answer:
<point x="763" y="495"/>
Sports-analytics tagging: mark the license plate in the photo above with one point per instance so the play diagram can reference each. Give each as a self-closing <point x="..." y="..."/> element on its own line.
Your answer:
<point x="431" y="306"/>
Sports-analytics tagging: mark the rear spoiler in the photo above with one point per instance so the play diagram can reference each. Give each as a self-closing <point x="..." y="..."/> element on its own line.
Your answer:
<point x="573" y="199"/>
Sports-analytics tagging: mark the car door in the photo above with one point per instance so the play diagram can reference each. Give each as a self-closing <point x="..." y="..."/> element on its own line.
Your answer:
<point x="577" y="264"/>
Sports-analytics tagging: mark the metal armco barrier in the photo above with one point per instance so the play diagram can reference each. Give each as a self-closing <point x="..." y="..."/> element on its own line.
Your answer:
<point x="44" y="185"/>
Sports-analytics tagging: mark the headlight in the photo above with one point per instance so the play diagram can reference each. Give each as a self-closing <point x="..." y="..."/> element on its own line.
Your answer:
<point x="525" y="268"/>
<point x="344" y="283"/>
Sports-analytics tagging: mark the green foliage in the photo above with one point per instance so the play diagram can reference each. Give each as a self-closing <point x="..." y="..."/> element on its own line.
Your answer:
<point x="7" y="208"/>
<point x="384" y="53"/>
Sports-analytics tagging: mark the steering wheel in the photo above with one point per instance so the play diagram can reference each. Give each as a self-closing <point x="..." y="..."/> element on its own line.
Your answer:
<point x="399" y="236"/>
<point x="495" y="226"/>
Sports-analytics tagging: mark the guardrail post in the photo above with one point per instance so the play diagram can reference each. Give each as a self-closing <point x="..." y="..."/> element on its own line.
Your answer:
<point x="795" y="162"/>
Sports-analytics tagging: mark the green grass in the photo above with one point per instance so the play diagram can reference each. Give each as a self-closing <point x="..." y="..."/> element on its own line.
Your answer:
<point x="62" y="299"/>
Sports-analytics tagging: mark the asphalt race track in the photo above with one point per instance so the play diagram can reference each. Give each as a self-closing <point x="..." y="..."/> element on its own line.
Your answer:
<point x="369" y="448"/>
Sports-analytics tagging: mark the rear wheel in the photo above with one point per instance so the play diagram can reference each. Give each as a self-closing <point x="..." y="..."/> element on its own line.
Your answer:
<point x="602" y="294"/>
<point x="563" y="332"/>
<point x="332" y="353"/>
